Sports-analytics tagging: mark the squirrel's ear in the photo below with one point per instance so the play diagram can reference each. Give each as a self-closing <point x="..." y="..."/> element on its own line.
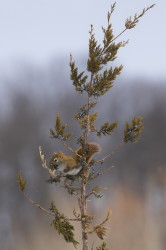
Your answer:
<point x="60" y="155"/>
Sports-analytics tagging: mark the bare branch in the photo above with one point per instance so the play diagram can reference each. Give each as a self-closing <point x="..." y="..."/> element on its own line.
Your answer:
<point x="102" y="173"/>
<point x="111" y="154"/>
<point x="38" y="205"/>
<point x="45" y="210"/>
<point x="119" y="35"/>
<point x="69" y="148"/>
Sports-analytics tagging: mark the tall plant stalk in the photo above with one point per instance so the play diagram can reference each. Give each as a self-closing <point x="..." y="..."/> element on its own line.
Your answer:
<point x="83" y="200"/>
<point x="101" y="80"/>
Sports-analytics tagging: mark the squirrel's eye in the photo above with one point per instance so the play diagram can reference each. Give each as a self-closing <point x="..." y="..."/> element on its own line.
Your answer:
<point x="55" y="160"/>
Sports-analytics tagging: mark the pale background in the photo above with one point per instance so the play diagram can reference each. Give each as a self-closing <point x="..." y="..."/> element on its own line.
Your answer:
<point x="37" y="31"/>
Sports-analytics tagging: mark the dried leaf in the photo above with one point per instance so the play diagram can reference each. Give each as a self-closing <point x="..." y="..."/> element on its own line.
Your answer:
<point x="21" y="182"/>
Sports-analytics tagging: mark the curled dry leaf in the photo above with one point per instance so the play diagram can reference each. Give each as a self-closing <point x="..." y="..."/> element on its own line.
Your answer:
<point x="44" y="165"/>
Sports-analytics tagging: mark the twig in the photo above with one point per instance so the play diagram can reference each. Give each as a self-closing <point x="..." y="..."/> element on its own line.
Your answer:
<point x="101" y="173"/>
<point x="88" y="195"/>
<point x="70" y="149"/>
<point x="135" y="21"/>
<point x="118" y="35"/>
<point x="67" y="146"/>
<point x="75" y="214"/>
<point x="111" y="154"/>
<point x="37" y="205"/>
<point x="101" y="227"/>
<point x="107" y="218"/>
<point x="94" y="192"/>
<point x="45" y="210"/>
<point x="67" y="186"/>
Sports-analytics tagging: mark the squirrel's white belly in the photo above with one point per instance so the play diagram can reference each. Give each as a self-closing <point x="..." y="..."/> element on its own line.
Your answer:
<point x="73" y="171"/>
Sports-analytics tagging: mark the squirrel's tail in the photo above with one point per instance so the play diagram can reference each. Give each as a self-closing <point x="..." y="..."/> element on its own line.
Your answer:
<point x="92" y="148"/>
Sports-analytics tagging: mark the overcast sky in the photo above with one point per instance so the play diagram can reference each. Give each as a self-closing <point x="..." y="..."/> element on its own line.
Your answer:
<point x="38" y="31"/>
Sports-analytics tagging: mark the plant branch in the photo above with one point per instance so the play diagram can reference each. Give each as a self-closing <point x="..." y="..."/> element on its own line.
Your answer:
<point x="67" y="146"/>
<point x="119" y="35"/>
<point x="93" y="192"/>
<point x="102" y="173"/>
<point x="45" y="210"/>
<point x="131" y="24"/>
<point x="111" y="154"/>
<point x="38" y="205"/>
<point x="67" y="186"/>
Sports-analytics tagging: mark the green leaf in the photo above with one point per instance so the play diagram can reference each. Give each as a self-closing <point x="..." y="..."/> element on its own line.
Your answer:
<point x="94" y="63"/>
<point x="60" y="130"/>
<point x="62" y="225"/>
<point x="107" y="129"/>
<point x="78" y="79"/>
<point x="92" y="119"/>
<point x="132" y="22"/>
<point x="82" y="112"/>
<point x="102" y="247"/>
<point x="103" y="82"/>
<point x="133" y="131"/>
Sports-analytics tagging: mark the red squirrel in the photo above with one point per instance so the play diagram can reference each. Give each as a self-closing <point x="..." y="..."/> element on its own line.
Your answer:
<point x="71" y="164"/>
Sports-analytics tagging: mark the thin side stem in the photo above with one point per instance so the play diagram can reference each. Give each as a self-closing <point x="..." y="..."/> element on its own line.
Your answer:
<point x="37" y="205"/>
<point x="112" y="153"/>
<point x="119" y="35"/>
<point x="102" y="173"/>
<point x="45" y="210"/>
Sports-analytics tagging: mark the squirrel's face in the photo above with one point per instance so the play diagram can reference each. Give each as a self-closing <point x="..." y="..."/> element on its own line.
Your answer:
<point x="56" y="160"/>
